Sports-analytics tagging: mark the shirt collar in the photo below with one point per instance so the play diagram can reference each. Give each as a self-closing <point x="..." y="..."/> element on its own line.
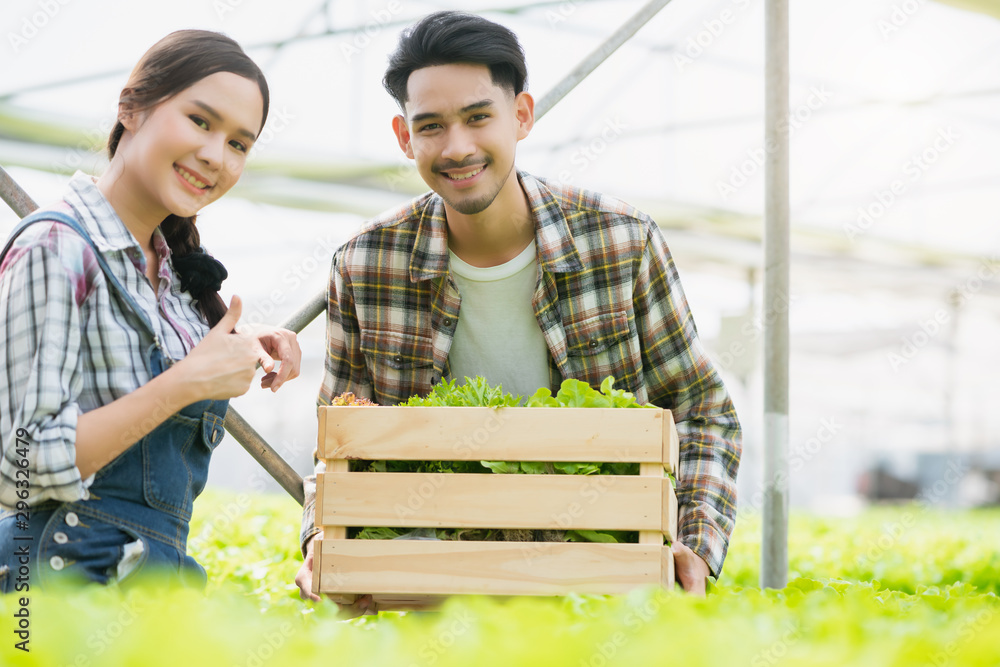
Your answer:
<point x="101" y="221"/>
<point x="557" y="252"/>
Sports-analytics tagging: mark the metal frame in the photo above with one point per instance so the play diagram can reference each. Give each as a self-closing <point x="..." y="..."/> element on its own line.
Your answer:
<point x="774" y="542"/>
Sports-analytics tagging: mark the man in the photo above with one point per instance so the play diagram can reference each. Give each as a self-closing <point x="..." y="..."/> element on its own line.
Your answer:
<point x="500" y="274"/>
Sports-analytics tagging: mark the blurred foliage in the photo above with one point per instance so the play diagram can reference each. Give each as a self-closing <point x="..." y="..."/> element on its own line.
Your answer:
<point x="892" y="587"/>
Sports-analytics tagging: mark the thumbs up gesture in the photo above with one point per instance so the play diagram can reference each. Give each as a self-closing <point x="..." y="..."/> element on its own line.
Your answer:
<point x="223" y="364"/>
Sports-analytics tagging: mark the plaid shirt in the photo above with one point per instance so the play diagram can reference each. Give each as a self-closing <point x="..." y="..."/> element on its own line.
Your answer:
<point x="68" y="345"/>
<point x="609" y="302"/>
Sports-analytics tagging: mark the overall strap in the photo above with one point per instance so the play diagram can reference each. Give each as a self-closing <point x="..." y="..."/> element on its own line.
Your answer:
<point x="74" y="224"/>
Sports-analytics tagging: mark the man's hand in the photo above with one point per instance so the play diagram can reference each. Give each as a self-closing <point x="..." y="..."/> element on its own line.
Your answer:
<point x="691" y="571"/>
<point x="364" y="604"/>
<point x="304" y="577"/>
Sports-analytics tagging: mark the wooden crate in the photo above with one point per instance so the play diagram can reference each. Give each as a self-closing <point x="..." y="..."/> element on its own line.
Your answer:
<point x="408" y="574"/>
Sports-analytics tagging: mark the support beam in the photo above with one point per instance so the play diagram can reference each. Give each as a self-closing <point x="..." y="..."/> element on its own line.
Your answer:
<point x="15" y="197"/>
<point x="774" y="544"/>
<point x="598" y="56"/>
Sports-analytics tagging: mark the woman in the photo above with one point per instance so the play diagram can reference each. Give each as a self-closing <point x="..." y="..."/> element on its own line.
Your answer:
<point x="118" y="353"/>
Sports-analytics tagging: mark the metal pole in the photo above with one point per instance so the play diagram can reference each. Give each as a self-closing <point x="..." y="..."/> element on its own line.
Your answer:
<point x="774" y="545"/>
<point x="263" y="453"/>
<point x="598" y="56"/>
<point x="15" y="196"/>
<point x="268" y="459"/>
<point x="307" y="313"/>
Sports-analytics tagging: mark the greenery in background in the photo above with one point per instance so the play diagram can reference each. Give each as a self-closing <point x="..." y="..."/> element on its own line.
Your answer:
<point x="893" y="587"/>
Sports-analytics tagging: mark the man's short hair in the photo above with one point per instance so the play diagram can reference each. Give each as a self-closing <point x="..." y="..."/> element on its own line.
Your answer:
<point x="446" y="38"/>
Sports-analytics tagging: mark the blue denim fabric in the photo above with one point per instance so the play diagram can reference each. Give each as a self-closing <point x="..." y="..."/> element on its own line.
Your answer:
<point x="143" y="497"/>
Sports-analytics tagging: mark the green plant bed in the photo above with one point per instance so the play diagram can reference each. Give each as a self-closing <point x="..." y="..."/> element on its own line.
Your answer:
<point x="934" y="603"/>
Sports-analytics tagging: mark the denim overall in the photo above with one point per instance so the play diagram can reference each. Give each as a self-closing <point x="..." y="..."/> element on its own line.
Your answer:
<point x="136" y="516"/>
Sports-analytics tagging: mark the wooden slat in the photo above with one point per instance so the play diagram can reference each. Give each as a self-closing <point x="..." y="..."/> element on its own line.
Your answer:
<point x="334" y="530"/>
<point x="502" y="434"/>
<point x="671" y="444"/>
<point x="436" y="500"/>
<point x="410" y="567"/>
<point x="667" y="575"/>
<point x="669" y="512"/>
<point x="407" y="602"/>
<point x="652" y="470"/>
<point x="317" y="565"/>
<point x="331" y="532"/>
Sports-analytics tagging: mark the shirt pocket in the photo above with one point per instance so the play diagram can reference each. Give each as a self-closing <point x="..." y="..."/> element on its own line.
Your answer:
<point x="400" y="365"/>
<point x="599" y="346"/>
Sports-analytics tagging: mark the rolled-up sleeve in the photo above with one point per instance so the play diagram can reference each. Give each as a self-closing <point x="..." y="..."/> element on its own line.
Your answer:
<point x="40" y="368"/>
<point x="681" y="377"/>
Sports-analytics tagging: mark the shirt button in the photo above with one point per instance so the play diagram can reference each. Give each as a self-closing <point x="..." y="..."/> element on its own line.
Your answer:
<point x="593" y="344"/>
<point x="72" y="519"/>
<point x="398" y="359"/>
<point x="446" y="323"/>
<point x="60" y="538"/>
<point x="57" y="563"/>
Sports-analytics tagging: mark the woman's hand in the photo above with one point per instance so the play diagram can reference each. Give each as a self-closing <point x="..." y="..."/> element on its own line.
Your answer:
<point x="276" y="344"/>
<point x="223" y="364"/>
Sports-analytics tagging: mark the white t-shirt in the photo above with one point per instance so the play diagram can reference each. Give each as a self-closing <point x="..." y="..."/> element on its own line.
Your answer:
<point x="497" y="335"/>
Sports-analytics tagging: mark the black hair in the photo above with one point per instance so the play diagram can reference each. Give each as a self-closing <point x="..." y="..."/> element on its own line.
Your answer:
<point x="444" y="38"/>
